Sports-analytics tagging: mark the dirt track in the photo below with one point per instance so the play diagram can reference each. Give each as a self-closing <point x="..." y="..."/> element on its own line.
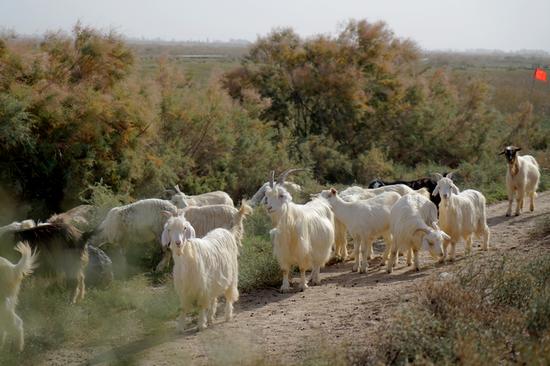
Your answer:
<point x="346" y="308"/>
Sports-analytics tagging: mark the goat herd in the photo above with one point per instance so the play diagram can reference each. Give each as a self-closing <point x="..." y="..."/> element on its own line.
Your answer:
<point x="203" y="233"/>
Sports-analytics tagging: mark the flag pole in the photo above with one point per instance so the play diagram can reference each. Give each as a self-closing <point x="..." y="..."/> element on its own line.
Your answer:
<point x="532" y="84"/>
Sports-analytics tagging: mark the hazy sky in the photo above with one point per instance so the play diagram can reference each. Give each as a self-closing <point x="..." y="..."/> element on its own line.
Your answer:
<point x="433" y="24"/>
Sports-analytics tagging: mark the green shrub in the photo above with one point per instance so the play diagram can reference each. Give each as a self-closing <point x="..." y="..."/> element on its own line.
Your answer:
<point x="492" y="311"/>
<point x="257" y="266"/>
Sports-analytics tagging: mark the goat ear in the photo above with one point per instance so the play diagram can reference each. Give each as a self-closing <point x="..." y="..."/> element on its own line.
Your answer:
<point x="177" y="187"/>
<point x="425" y="244"/>
<point x="518" y="148"/>
<point x="437" y="176"/>
<point x="167" y="214"/>
<point x="502" y="152"/>
<point x="333" y="191"/>
<point x="450" y="175"/>
<point x="164" y="239"/>
<point x="445" y="235"/>
<point x="455" y="189"/>
<point x="436" y="190"/>
<point x="189" y="233"/>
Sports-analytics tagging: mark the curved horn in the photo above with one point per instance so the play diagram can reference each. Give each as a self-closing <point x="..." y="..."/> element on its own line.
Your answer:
<point x="271" y="179"/>
<point x="422" y="229"/>
<point x="285" y="174"/>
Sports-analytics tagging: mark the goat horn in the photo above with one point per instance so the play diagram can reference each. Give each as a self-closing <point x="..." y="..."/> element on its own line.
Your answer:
<point x="424" y="230"/>
<point x="285" y="174"/>
<point x="272" y="179"/>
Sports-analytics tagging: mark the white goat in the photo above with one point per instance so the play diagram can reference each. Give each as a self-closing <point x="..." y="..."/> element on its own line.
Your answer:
<point x="205" y="219"/>
<point x="365" y="220"/>
<point x="522" y="178"/>
<point x="138" y="222"/>
<point x="181" y="200"/>
<point x="413" y="224"/>
<point x="304" y="235"/>
<point x="293" y="188"/>
<point x="206" y="268"/>
<point x="11" y="276"/>
<point x="356" y="193"/>
<point x="423" y="192"/>
<point x="461" y="214"/>
<point x="340" y="238"/>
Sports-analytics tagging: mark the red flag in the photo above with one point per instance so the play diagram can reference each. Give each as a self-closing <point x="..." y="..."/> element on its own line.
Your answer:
<point x="540" y="74"/>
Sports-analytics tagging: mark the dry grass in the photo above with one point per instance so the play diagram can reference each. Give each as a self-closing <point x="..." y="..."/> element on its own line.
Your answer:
<point x="494" y="312"/>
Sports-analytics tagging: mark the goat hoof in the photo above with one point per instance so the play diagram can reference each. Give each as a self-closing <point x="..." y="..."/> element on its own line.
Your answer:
<point x="284" y="289"/>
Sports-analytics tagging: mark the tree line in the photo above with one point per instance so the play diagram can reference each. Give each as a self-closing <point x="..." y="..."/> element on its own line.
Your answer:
<point x="76" y="111"/>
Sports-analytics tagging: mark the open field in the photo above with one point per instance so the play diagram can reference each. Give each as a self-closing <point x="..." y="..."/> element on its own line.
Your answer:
<point x="510" y="74"/>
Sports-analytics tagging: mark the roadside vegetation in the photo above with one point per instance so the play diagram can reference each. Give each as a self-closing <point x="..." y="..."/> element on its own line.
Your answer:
<point x="494" y="311"/>
<point x="87" y="118"/>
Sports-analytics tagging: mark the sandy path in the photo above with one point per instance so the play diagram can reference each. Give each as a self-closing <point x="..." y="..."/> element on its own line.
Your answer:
<point x="346" y="308"/>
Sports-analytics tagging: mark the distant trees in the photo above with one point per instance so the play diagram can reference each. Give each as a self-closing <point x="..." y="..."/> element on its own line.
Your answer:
<point x="74" y="111"/>
<point x="339" y="96"/>
<point x="68" y="115"/>
<point x="78" y="111"/>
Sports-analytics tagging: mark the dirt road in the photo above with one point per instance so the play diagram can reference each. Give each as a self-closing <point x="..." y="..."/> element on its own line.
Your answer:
<point x="347" y="308"/>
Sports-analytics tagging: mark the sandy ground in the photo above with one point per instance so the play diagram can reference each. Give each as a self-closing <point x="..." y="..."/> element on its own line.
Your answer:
<point x="346" y="309"/>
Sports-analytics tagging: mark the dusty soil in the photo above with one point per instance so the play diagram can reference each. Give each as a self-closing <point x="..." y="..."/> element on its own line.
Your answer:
<point x="346" y="309"/>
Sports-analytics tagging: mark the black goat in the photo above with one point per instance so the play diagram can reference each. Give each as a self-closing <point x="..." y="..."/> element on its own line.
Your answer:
<point x="63" y="251"/>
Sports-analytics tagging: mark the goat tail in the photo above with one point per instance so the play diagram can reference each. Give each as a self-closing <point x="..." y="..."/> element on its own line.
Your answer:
<point x="28" y="261"/>
<point x="237" y="228"/>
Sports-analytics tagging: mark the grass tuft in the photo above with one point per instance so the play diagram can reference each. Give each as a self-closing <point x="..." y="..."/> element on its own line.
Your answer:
<point x="494" y="312"/>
